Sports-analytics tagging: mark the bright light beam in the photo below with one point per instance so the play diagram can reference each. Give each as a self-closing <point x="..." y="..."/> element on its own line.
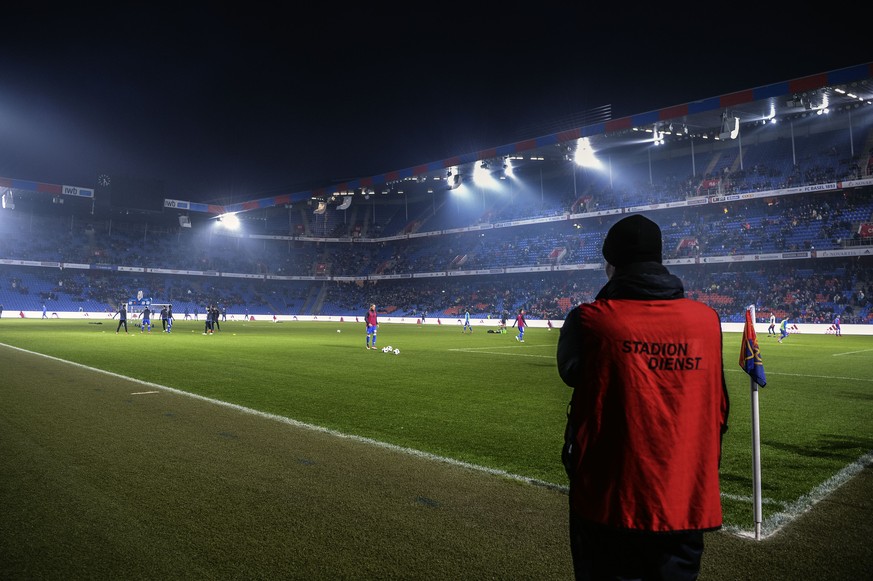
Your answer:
<point x="584" y="156"/>
<point x="229" y="221"/>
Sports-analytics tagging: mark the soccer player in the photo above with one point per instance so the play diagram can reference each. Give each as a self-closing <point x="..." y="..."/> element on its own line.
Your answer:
<point x="372" y="322"/>
<point x="215" y="314"/>
<point x="169" y="318"/>
<point x="783" y="328"/>
<point x="146" y="320"/>
<point x="467" y="324"/>
<point x="521" y="324"/>
<point x="837" y="330"/>
<point x="164" y="318"/>
<point x="771" y="330"/>
<point x="208" y="327"/>
<point x="122" y="318"/>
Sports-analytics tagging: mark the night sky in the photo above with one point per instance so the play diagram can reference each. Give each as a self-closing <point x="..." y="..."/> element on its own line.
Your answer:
<point x="232" y="103"/>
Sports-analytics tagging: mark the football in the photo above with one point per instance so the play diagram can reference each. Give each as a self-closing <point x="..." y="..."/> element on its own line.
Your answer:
<point x="397" y="351"/>
<point x="338" y="331"/>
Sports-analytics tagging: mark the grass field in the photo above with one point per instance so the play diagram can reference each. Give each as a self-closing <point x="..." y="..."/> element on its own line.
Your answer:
<point x="486" y="400"/>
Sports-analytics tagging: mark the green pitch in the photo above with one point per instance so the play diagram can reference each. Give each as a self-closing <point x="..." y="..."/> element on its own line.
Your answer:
<point x="487" y="400"/>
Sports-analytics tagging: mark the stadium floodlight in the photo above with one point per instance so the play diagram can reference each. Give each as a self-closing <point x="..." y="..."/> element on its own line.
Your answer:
<point x="453" y="178"/>
<point x="657" y="136"/>
<point x="229" y="221"/>
<point x="482" y="174"/>
<point x="730" y="126"/>
<point x="508" y="170"/>
<point x="584" y="156"/>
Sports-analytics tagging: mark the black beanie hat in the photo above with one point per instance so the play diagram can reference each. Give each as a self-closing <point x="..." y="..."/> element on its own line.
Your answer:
<point x="632" y="239"/>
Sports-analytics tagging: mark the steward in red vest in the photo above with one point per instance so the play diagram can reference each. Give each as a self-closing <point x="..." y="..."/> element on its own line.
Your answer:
<point x="646" y="418"/>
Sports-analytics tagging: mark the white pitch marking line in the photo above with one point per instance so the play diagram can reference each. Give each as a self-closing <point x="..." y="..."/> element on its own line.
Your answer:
<point x="771" y="525"/>
<point x="513" y="354"/>
<point x="852" y="352"/>
<point x="313" y="427"/>
<point x="144" y="392"/>
<point x="864" y="379"/>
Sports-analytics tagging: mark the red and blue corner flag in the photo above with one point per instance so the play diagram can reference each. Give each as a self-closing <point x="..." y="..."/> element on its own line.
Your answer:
<point x="750" y="355"/>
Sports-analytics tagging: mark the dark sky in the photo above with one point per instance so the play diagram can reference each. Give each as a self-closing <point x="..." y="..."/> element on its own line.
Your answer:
<point x="226" y="103"/>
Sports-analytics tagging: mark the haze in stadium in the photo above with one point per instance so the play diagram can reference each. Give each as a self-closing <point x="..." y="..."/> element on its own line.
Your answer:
<point x="227" y="106"/>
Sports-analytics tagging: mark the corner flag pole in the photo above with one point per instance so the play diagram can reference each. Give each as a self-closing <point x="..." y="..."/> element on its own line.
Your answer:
<point x="756" y="448"/>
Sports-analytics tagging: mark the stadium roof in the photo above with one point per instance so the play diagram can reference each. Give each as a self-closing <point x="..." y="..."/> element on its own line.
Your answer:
<point x="711" y="119"/>
<point x="838" y="91"/>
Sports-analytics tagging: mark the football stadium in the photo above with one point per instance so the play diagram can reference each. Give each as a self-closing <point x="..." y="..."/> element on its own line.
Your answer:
<point x="251" y="435"/>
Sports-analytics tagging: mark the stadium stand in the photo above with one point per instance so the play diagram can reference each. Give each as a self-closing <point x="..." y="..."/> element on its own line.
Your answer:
<point x="781" y="220"/>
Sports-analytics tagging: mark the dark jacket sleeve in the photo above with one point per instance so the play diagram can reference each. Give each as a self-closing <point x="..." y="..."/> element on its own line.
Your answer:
<point x="569" y="353"/>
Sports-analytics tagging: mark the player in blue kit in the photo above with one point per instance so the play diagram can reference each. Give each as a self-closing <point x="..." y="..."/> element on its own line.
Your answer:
<point x="146" y="320"/>
<point x="783" y="329"/>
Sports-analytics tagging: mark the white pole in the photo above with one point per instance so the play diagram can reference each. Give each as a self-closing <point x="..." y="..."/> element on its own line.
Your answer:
<point x="756" y="446"/>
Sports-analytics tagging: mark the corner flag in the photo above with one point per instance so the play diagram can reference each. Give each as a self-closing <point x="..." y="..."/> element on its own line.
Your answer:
<point x="750" y="355"/>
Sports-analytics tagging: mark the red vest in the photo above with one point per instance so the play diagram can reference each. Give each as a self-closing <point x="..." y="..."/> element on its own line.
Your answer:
<point x="648" y="416"/>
